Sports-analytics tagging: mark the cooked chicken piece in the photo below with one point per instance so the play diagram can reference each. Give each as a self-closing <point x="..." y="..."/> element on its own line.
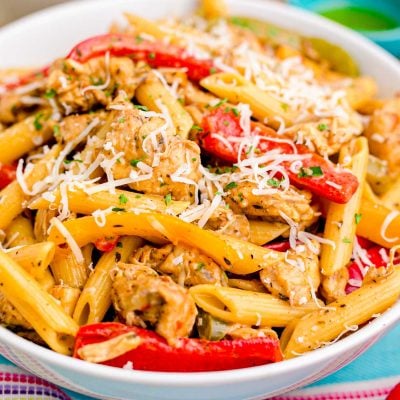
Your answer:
<point x="185" y="265"/>
<point x="294" y="203"/>
<point x="297" y="279"/>
<point x="79" y="87"/>
<point x="383" y="133"/>
<point x="128" y="135"/>
<point x="225" y="221"/>
<point x="16" y="107"/>
<point x="9" y="315"/>
<point x="73" y="125"/>
<point x="334" y="286"/>
<point x="246" y="332"/>
<point x="326" y="136"/>
<point x="143" y="298"/>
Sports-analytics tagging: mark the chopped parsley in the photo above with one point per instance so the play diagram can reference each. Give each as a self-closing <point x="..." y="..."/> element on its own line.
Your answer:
<point x="122" y="199"/>
<point x="213" y="70"/>
<point x="168" y="199"/>
<point x="138" y="39"/>
<point x="197" y="128"/>
<point x="121" y="120"/>
<point x="96" y="81"/>
<point x="152" y="55"/>
<point x="50" y="94"/>
<point x="36" y="122"/>
<point x="235" y="111"/>
<point x="346" y="240"/>
<point x="140" y="107"/>
<point x="200" y="266"/>
<point x="322" y="127"/>
<point x="226" y="123"/>
<point x="308" y="172"/>
<point x="222" y="101"/>
<point x="71" y="161"/>
<point x="357" y="218"/>
<point x="56" y="130"/>
<point x="135" y="162"/>
<point x="118" y="209"/>
<point x="274" y="182"/>
<point x="230" y="185"/>
<point x="285" y="107"/>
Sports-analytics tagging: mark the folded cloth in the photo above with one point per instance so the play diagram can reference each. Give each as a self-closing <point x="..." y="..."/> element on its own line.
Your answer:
<point x="370" y="377"/>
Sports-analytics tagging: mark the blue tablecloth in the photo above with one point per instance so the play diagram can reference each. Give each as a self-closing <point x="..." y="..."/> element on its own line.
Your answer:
<point x="370" y="377"/>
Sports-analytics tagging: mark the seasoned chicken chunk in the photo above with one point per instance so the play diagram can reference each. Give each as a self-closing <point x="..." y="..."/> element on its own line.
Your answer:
<point x="79" y="87"/>
<point x="185" y="265"/>
<point x="383" y="133"/>
<point x="334" y="286"/>
<point x="143" y="298"/>
<point x="225" y="221"/>
<point x="168" y="161"/>
<point x="326" y="136"/>
<point x="294" y="203"/>
<point x="297" y="278"/>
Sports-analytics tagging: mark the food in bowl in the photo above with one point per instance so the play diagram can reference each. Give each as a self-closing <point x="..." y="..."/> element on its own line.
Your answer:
<point x="196" y="195"/>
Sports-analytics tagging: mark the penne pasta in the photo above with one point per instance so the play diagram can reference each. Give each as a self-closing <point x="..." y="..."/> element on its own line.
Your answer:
<point x="246" y="307"/>
<point x="81" y="203"/>
<point x="67" y="296"/>
<point x="95" y="298"/>
<point x="340" y="225"/>
<point x="153" y="94"/>
<point x="25" y="136"/>
<point x="391" y="198"/>
<point x="19" y="232"/>
<point x="320" y="327"/>
<point x="237" y="89"/>
<point x="379" y="224"/>
<point x="13" y="197"/>
<point x="213" y="9"/>
<point x="67" y="270"/>
<point x="34" y="258"/>
<point x="39" y="308"/>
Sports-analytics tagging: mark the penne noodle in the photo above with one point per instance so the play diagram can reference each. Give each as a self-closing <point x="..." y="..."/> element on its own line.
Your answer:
<point x="13" y="197"/>
<point x="24" y="136"/>
<point x="146" y="26"/>
<point x="95" y="298"/>
<point x="67" y="270"/>
<point x="38" y="307"/>
<point x="214" y="9"/>
<point x="340" y="225"/>
<point x="246" y="307"/>
<point x="81" y="203"/>
<point x="34" y="258"/>
<point x="19" y="232"/>
<point x="67" y="296"/>
<point x="234" y="255"/>
<point x="152" y="93"/>
<point x="391" y="199"/>
<point x="379" y="224"/>
<point x="321" y="327"/>
<point x="237" y="89"/>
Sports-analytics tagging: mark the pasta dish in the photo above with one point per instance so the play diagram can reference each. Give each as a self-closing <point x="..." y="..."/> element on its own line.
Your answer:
<point x="196" y="194"/>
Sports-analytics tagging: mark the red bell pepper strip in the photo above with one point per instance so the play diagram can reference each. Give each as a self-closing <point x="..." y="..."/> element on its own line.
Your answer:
<point x="106" y="244"/>
<point x="7" y="175"/>
<point x="278" y="246"/>
<point x="156" y="54"/>
<point x="376" y="254"/>
<point x="394" y="393"/>
<point x="189" y="355"/>
<point x="27" y="78"/>
<point x="225" y="122"/>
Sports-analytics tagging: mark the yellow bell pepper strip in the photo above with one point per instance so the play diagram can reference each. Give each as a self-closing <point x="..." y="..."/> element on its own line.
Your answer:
<point x="234" y="255"/>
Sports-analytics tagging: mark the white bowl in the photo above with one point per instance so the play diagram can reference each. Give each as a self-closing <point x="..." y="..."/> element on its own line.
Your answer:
<point x="39" y="38"/>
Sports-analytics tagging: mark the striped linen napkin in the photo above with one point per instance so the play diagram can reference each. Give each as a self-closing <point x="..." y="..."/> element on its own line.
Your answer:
<point x="370" y="377"/>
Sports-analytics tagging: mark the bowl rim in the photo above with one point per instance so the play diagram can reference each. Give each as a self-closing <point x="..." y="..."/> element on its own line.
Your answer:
<point x="178" y="379"/>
